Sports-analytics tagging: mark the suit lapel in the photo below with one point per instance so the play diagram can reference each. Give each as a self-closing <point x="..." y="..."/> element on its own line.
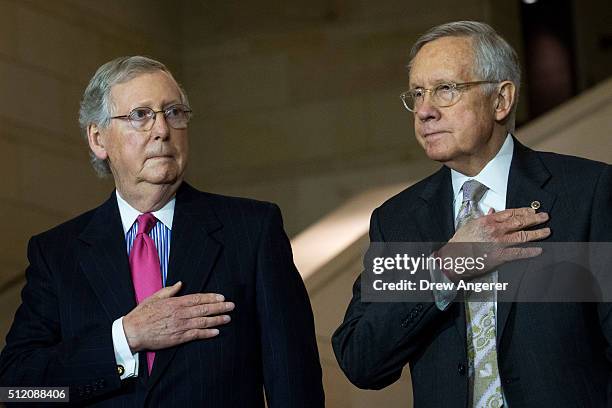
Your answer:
<point x="193" y="253"/>
<point x="435" y="217"/>
<point x="526" y="182"/>
<point x="103" y="259"/>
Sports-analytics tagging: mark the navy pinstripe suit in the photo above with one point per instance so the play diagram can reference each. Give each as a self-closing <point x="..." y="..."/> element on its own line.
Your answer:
<point x="78" y="283"/>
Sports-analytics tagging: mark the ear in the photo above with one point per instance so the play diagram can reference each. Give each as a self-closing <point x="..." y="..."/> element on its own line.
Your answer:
<point x="504" y="100"/>
<point x="96" y="141"/>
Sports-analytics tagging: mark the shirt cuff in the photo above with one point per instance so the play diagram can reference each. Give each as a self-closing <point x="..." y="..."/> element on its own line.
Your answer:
<point x="127" y="363"/>
<point x="443" y="298"/>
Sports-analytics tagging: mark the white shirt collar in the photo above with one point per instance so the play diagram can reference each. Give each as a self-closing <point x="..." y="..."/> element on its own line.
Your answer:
<point x="494" y="175"/>
<point x="129" y="213"/>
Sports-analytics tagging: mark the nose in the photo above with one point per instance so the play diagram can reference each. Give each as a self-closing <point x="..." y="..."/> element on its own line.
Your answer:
<point x="425" y="110"/>
<point x="160" y="129"/>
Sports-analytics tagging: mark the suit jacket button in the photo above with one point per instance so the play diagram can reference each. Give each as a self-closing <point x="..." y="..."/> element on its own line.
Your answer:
<point x="461" y="369"/>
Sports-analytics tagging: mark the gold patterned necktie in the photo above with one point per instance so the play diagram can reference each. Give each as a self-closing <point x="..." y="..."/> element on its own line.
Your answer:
<point x="485" y="383"/>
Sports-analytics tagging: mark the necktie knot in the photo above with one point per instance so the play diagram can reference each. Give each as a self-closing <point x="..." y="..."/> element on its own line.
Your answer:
<point x="473" y="191"/>
<point x="472" y="194"/>
<point x="146" y="222"/>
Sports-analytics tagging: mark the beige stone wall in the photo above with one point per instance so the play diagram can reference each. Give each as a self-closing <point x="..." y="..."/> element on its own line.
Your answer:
<point x="48" y="52"/>
<point x="298" y="102"/>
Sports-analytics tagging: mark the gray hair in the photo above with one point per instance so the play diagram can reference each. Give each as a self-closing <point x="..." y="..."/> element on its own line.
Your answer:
<point x="96" y="105"/>
<point x="494" y="58"/>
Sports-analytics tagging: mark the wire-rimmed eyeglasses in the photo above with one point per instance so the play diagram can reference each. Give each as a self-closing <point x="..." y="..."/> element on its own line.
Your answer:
<point x="442" y="95"/>
<point x="143" y="118"/>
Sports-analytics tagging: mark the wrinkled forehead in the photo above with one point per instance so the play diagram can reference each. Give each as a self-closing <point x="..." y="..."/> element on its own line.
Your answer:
<point x="442" y="60"/>
<point x="146" y="89"/>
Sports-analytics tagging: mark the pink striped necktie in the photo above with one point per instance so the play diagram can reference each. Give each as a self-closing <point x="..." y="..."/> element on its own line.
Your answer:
<point x="145" y="266"/>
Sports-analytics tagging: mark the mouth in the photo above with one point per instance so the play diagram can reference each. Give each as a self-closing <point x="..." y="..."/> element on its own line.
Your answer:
<point x="433" y="135"/>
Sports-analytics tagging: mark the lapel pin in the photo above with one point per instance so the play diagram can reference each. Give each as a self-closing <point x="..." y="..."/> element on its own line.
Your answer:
<point x="535" y="205"/>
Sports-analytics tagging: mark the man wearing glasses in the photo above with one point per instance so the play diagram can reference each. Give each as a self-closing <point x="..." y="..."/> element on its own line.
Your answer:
<point x="464" y="80"/>
<point x="163" y="295"/>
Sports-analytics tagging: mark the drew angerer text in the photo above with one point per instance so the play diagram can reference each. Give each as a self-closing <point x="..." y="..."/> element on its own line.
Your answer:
<point x="424" y="284"/>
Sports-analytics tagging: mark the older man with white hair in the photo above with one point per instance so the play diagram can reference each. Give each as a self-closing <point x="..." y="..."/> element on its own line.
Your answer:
<point x="470" y="351"/>
<point x="163" y="295"/>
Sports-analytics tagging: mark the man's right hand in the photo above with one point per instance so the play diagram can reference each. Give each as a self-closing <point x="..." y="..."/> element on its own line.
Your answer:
<point x="496" y="234"/>
<point x="163" y="321"/>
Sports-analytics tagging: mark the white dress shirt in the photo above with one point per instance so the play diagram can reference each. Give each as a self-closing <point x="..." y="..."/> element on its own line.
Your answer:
<point x="494" y="175"/>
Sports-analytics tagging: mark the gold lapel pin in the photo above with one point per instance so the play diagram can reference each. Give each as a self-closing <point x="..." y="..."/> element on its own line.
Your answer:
<point x="535" y="205"/>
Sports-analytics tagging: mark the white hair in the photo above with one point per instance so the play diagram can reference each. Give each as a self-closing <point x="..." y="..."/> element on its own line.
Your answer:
<point x="494" y="58"/>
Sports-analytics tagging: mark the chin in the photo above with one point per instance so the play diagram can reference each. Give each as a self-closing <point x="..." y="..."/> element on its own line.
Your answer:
<point x="166" y="173"/>
<point x="437" y="154"/>
<point x="163" y="176"/>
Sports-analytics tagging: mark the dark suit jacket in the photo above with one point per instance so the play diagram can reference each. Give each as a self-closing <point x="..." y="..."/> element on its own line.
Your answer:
<point x="550" y="354"/>
<point x="78" y="283"/>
